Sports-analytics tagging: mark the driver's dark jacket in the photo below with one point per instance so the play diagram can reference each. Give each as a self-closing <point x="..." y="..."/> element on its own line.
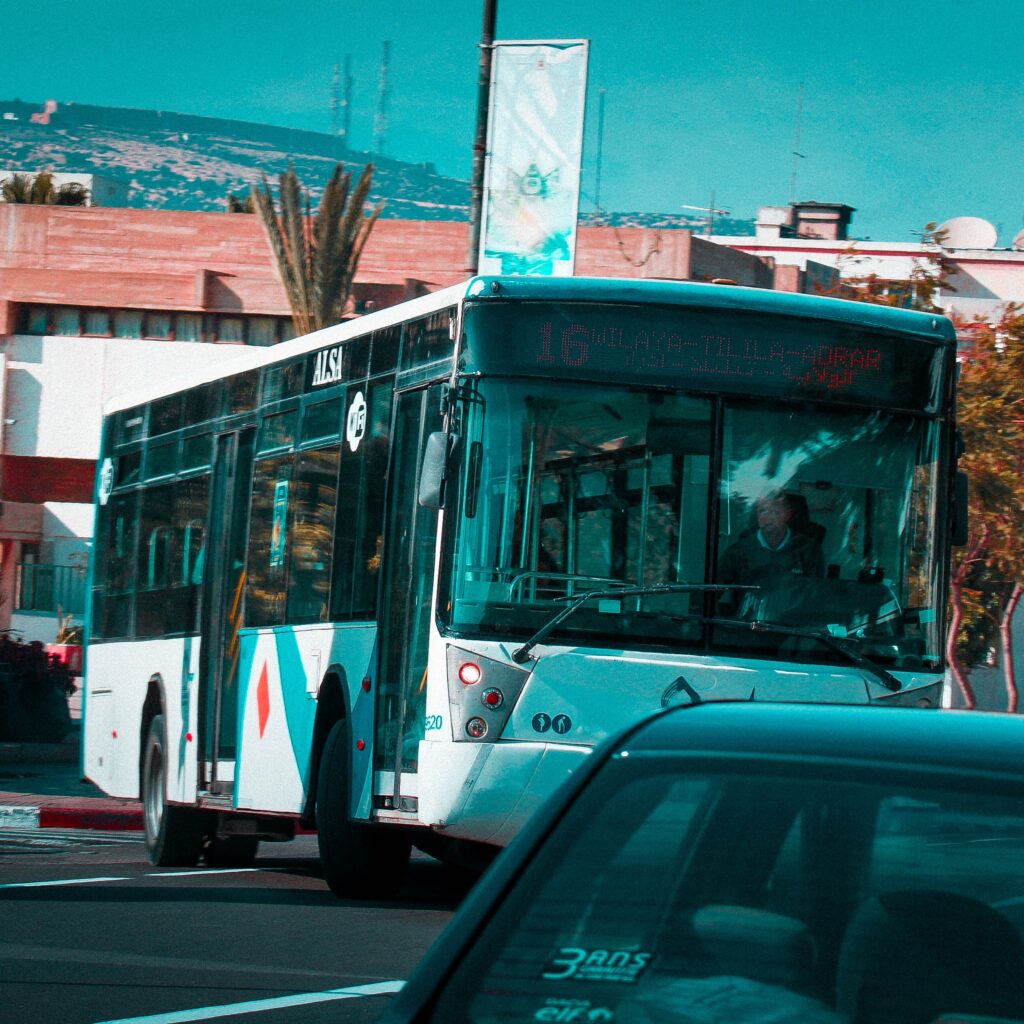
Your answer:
<point x="750" y="561"/>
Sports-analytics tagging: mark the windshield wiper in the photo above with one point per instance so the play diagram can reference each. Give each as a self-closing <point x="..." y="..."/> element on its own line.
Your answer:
<point x="521" y="654"/>
<point x="885" y="677"/>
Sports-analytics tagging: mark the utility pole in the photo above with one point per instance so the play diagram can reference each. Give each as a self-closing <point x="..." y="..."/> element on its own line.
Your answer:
<point x="380" y="126"/>
<point x="797" y="155"/>
<point x="600" y="149"/>
<point x="335" y="99"/>
<point x="483" y="102"/>
<point x="346" y="102"/>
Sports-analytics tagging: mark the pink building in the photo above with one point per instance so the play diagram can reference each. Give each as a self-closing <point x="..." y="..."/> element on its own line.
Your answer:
<point x="96" y="301"/>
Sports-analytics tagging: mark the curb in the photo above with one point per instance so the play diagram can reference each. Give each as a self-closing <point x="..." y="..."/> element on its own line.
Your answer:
<point x="107" y="819"/>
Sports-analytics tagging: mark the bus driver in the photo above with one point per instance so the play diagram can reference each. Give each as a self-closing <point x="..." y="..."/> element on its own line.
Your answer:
<point x="774" y="549"/>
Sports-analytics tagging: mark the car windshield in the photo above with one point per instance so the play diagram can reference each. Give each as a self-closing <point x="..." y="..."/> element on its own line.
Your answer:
<point x="687" y="892"/>
<point x="816" y="518"/>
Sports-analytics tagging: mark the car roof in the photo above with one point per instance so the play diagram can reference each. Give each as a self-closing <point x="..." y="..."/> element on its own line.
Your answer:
<point x="952" y="741"/>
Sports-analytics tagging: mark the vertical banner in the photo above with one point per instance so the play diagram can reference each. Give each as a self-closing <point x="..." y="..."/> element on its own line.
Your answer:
<point x="534" y="154"/>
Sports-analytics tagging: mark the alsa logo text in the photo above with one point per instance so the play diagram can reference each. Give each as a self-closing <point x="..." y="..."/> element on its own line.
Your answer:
<point x="327" y="368"/>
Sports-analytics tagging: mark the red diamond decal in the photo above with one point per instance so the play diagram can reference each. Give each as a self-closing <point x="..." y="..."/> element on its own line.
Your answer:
<point x="263" y="699"/>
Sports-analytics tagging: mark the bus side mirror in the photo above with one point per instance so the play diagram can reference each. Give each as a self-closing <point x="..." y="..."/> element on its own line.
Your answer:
<point x="437" y="460"/>
<point x="959" y="532"/>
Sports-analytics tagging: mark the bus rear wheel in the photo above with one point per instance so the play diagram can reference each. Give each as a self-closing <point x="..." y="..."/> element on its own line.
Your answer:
<point x="174" y="835"/>
<point x="358" y="860"/>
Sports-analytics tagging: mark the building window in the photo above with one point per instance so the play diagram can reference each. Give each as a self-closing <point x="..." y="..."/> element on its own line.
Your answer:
<point x="158" y="325"/>
<point x="97" y="322"/>
<point x="188" y="327"/>
<point x="69" y="322"/>
<point x="262" y="330"/>
<point x="127" y="324"/>
<point x="38" y="320"/>
<point x="231" y="328"/>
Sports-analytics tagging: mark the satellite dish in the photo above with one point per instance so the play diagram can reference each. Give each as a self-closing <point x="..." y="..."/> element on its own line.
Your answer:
<point x="967" y="233"/>
<point x="1018" y="241"/>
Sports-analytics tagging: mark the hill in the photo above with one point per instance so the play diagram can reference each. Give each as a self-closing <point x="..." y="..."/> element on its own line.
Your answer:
<point x="187" y="162"/>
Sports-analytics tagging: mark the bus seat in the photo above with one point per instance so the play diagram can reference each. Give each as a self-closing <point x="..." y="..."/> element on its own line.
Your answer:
<point x="751" y="943"/>
<point x="800" y="518"/>
<point x="911" y="957"/>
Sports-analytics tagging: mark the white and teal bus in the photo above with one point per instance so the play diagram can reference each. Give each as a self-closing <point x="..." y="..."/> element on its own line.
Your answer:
<point x="394" y="580"/>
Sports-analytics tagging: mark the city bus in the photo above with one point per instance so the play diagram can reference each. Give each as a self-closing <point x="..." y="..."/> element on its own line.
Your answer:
<point x="394" y="580"/>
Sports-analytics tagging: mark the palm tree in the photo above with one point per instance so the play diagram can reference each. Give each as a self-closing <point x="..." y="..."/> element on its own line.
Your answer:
<point x="40" y="191"/>
<point x="240" y="204"/>
<point x="317" y="256"/>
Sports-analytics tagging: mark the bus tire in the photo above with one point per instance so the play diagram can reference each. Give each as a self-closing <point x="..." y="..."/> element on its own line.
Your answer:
<point x="358" y="860"/>
<point x="174" y="835"/>
<point x="231" y="851"/>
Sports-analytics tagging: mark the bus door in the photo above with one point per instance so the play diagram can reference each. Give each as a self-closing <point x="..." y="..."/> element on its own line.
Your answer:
<point x="223" y="588"/>
<point x="407" y="583"/>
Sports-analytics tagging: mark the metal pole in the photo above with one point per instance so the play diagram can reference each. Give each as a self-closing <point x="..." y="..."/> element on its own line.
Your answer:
<point x="483" y="102"/>
<point x="600" y="150"/>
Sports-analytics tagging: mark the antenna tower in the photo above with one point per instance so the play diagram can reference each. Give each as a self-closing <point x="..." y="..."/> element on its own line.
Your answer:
<point x="797" y="155"/>
<point x="346" y="102"/>
<point x="335" y="86"/>
<point x="380" y="124"/>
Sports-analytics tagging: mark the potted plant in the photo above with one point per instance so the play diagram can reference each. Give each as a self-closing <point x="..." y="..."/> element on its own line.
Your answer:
<point x="67" y="646"/>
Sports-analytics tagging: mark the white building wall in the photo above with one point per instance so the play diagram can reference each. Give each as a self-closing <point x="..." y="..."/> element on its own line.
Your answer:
<point x="56" y="388"/>
<point x="982" y="282"/>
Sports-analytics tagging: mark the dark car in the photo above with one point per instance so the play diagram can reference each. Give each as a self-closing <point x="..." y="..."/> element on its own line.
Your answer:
<point x="735" y="863"/>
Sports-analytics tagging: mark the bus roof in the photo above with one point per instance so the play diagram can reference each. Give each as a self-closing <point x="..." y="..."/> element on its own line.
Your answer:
<point x="933" y="327"/>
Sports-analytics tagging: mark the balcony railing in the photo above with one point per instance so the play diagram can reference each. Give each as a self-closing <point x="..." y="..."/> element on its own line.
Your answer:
<point x="51" y="588"/>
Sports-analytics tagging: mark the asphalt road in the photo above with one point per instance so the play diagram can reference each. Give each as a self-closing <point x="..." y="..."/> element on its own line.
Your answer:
<point x="91" y="932"/>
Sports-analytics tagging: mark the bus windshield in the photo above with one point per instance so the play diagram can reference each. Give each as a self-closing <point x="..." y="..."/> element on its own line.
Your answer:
<point x="815" y="518"/>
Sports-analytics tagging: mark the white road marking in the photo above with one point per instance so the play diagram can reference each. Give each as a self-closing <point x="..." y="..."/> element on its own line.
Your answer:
<point x="380" y="988"/>
<point x="201" y="871"/>
<point x="130" y="878"/>
<point x="64" y="881"/>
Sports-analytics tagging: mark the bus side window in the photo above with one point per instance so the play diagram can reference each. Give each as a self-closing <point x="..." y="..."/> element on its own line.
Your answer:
<point x="112" y="600"/>
<point x="193" y="550"/>
<point x="313" y="503"/>
<point x="159" y="561"/>
<point x="360" y="521"/>
<point x="269" y="543"/>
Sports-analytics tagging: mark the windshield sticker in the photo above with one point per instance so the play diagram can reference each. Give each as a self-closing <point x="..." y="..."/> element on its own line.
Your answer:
<point x="541" y="722"/>
<point x="621" y="966"/>
<point x="572" y="1011"/>
<point x="278" y="532"/>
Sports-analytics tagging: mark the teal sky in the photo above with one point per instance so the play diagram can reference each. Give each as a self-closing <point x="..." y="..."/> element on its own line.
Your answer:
<point x="912" y="111"/>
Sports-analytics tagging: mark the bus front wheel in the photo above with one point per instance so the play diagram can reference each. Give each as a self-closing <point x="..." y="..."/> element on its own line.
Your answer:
<point x="174" y="835"/>
<point x="358" y="860"/>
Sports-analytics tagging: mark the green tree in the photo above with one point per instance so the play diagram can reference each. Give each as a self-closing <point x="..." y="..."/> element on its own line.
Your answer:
<point x="987" y="573"/>
<point x="40" y="191"/>
<point x="317" y="255"/>
<point x="929" y="274"/>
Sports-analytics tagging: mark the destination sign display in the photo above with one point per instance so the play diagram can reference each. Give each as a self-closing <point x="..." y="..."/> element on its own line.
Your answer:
<point x="727" y="351"/>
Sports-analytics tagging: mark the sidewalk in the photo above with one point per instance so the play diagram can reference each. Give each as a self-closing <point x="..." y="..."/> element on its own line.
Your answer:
<point x="41" y="786"/>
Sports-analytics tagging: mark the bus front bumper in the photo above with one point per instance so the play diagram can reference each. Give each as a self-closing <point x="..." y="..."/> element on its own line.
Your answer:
<point x="485" y="792"/>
